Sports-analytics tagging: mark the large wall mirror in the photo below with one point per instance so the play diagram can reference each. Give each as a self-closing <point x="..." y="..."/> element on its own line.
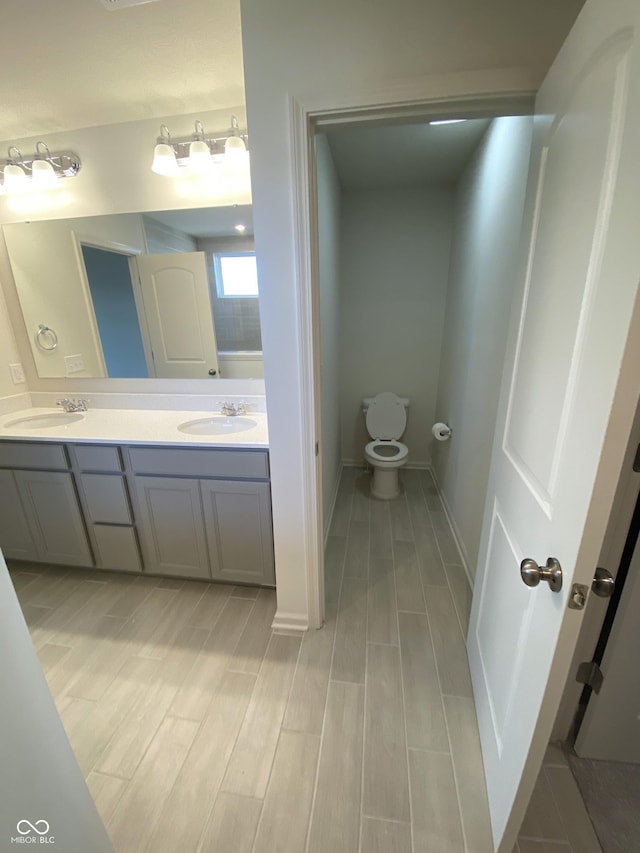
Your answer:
<point x="169" y="294"/>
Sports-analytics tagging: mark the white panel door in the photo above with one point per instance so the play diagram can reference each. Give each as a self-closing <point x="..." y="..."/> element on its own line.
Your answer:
<point x="548" y="494"/>
<point x="175" y="292"/>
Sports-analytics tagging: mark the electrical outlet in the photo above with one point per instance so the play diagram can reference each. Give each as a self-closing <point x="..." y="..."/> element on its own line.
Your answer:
<point x="74" y="363"/>
<point x="17" y="374"/>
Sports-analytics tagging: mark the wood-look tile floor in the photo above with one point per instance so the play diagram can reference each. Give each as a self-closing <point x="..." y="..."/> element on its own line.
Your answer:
<point x="200" y="729"/>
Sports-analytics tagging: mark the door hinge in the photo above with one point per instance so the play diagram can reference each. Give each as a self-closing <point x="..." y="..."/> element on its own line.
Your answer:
<point x="636" y="461"/>
<point x="589" y="673"/>
<point x="317" y="448"/>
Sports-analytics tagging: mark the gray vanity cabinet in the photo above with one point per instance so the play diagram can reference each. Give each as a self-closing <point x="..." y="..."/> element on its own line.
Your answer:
<point x="170" y="512"/>
<point x="15" y="535"/>
<point x="41" y="517"/>
<point x="52" y="510"/>
<point x="205" y="512"/>
<point x="195" y="512"/>
<point x="239" y="531"/>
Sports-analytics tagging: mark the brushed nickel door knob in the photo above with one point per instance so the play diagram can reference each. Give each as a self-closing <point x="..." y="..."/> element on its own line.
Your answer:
<point x="531" y="573"/>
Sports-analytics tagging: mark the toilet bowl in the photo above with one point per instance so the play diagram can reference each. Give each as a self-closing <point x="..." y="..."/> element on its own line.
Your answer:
<point x="386" y="419"/>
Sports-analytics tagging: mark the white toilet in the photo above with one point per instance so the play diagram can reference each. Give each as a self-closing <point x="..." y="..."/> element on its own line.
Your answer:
<point x="386" y="418"/>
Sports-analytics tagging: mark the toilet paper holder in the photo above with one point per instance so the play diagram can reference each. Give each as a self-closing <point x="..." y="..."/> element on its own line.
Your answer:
<point x="441" y="431"/>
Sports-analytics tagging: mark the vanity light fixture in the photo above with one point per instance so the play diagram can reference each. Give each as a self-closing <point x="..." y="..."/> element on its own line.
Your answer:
<point x="15" y="178"/>
<point x="201" y="150"/>
<point x="43" y="175"/>
<point x="164" y="155"/>
<point x="235" y="150"/>
<point x="41" y="171"/>
<point x="199" y="153"/>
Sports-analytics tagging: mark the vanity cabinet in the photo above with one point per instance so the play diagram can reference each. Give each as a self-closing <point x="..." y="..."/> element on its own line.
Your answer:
<point x="179" y="511"/>
<point x="41" y="516"/>
<point x="104" y="494"/>
<point x="16" y="538"/>
<point x="199" y="522"/>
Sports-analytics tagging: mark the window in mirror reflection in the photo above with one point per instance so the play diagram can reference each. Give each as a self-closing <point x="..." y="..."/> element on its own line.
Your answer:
<point x="236" y="274"/>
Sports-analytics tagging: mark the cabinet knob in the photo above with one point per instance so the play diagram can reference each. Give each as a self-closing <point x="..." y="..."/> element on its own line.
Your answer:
<point x="213" y="372"/>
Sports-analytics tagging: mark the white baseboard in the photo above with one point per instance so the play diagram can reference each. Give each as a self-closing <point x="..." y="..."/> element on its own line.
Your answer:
<point x="296" y="623"/>
<point x="455" y="530"/>
<point x="329" y="518"/>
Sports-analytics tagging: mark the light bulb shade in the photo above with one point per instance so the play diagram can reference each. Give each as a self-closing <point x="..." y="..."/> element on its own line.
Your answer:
<point x="43" y="174"/>
<point x="164" y="160"/>
<point x="15" y="178"/>
<point x="199" y="157"/>
<point x="235" y="153"/>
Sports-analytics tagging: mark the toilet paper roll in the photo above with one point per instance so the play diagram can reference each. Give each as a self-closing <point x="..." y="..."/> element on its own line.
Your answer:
<point x="441" y="432"/>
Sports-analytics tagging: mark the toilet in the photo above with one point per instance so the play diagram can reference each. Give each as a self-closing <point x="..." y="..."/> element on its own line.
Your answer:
<point x="386" y="419"/>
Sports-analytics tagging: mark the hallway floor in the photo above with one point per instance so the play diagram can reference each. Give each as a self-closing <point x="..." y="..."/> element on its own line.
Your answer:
<point x="199" y="729"/>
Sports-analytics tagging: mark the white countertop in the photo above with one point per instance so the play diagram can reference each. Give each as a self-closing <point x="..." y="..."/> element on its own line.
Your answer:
<point x="133" y="426"/>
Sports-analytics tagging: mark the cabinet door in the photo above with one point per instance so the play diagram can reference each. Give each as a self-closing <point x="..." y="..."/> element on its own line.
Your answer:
<point x="15" y="537"/>
<point x="239" y="530"/>
<point x="51" y="504"/>
<point x="170" y="512"/>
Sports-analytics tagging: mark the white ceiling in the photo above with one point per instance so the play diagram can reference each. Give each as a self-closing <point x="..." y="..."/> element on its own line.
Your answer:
<point x="69" y="64"/>
<point x="208" y="221"/>
<point x="404" y="155"/>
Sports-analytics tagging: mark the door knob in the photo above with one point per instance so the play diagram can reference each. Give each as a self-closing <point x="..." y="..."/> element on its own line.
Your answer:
<point x="531" y="573"/>
<point x="603" y="583"/>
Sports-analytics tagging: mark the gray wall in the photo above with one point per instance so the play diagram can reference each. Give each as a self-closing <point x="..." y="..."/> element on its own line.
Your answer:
<point x="237" y="321"/>
<point x="484" y="266"/>
<point x="394" y="270"/>
<point x="329" y="311"/>
<point x="41" y="778"/>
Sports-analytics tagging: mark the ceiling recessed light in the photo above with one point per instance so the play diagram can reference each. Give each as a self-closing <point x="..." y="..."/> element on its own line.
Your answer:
<point x="241" y="228"/>
<point x="449" y="121"/>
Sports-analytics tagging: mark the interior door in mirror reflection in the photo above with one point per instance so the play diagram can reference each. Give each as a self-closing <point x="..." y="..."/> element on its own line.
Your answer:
<point x="175" y="293"/>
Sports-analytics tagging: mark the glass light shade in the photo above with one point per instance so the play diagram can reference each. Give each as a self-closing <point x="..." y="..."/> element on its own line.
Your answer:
<point x="199" y="156"/>
<point x="15" y="178"/>
<point x="43" y="174"/>
<point x="164" y="160"/>
<point x="235" y="153"/>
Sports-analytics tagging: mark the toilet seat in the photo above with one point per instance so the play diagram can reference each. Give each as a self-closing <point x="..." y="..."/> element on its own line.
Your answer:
<point x="386" y="416"/>
<point x="381" y="452"/>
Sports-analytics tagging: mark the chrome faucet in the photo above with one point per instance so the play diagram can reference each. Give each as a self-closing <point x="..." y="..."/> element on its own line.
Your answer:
<point x="233" y="409"/>
<point x="72" y="405"/>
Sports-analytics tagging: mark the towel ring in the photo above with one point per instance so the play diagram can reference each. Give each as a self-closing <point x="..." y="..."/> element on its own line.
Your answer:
<point x="43" y="330"/>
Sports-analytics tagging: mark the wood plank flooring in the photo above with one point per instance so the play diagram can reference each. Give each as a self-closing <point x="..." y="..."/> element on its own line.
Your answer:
<point x="199" y="729"/>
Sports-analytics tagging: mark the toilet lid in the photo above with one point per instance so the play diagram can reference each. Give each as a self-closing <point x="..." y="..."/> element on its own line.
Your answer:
<point x="386" y="416"/>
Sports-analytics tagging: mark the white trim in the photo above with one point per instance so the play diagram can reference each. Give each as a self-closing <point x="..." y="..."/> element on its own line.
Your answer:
<point x="455" y="530"/>
<point x="284" y="621"/>
<point x="481" y="93"/>
<point x="329" y="518"/>
<point x="301" y="160"/>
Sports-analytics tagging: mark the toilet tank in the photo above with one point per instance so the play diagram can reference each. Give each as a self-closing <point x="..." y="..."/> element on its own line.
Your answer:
<point x="366" y="402"/>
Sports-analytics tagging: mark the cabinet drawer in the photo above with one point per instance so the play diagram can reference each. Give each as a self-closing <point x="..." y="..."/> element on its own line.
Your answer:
<point x="106" y="498"/>
<point x="28" y="454"/>
<point x="187" y="462"/>
<point x="117" y="548"/>
<point x="95" y="457"/>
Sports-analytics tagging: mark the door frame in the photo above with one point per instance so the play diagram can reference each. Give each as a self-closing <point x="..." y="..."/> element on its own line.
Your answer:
<point x="479" y="95"/>
<point x="80" y="240"/>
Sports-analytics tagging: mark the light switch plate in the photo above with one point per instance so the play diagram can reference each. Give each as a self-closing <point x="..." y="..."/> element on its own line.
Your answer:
<point x="17" y="374"/>
<point x="74" y="363"/>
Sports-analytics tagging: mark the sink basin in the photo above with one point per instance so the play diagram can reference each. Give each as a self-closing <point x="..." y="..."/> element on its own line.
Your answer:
<point x="52" y="419"/>
<point x="219" y="425"/>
